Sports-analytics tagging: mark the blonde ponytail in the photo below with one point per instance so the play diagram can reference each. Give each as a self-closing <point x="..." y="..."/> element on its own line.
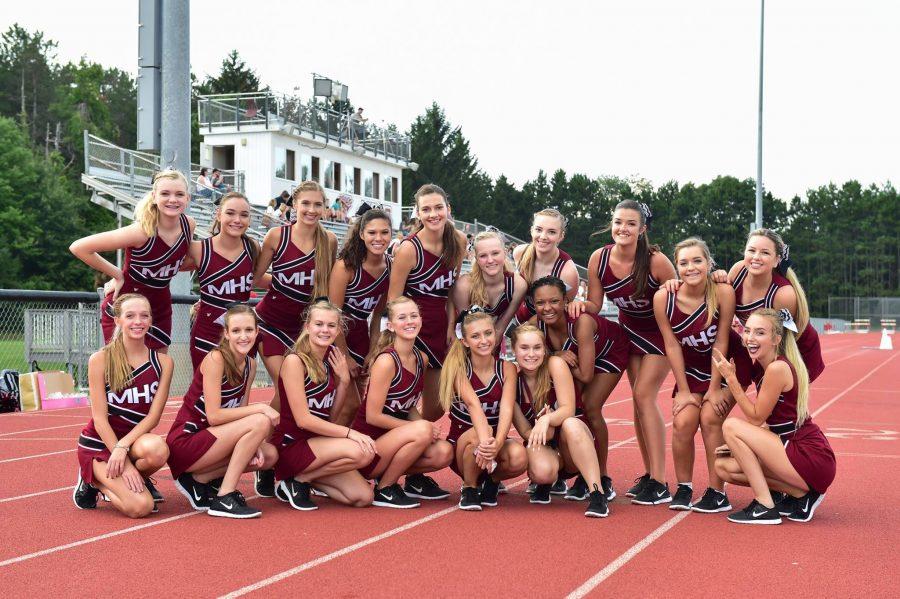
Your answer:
<point x="712" y="299"/>
<point x="315" y="368"/>
<point x="117" y="372"/>
<point x="802" y="315"/>
<point x="478" y="294"/>
<point x="788" y="348"/>
<point x="387" y="337"/>
<point x="146" y="212"/>
<point x="324" y="255"/>
<point x="542" y="380"/>
<point x="455" y="362"/>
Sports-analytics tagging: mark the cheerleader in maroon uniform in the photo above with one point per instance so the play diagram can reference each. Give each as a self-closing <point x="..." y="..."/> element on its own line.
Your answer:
<point x="791" y="455"/>
<point x="628" y="272"/>
<point x="406" y="443"/>
<point x="480" y="392"/>
<point x="359" y="282"/>
<point x="224" y="264"/>
<point x="596" y="350"/>
<point x="424" y="268"/>
<point x="765" y="279"/>
<point x="543" y="258"/>
<point x="313" y="382"/>
<point x="155" y="245"/>
<point x="695" y="320"/>
<point x="217" y="435"/>
<point x="545" y="414"/>
<point x="129" y="385"/>
<point x="491" y="283"/>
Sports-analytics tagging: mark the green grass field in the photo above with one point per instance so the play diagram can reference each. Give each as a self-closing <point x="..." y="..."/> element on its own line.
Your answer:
<point x="12" y="355"/>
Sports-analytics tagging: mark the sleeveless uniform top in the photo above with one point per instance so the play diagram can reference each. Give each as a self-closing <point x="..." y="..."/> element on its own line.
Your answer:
<point x="293" y="278"/>
<point x="319" y="398"/>
<point x="807" y="342"/>
<point x="525" y="399"/>
<point x="429" y="284"/>
<point x="192" y="415"/>
<point x="360" y="298"/>
<point x="635" y="315"/>
<point x="403" y="393"/>
<point x="527" y="309"/>
<point x="126" y="408"/>
<point x="488" y="394"/>
<point x="695" y="337"/>
<point x="503" y="302"/>
<point x="610" y="343"/>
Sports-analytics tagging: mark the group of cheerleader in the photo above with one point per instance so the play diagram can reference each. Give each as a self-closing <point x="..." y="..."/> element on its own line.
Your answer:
<point x="368" y="348"/>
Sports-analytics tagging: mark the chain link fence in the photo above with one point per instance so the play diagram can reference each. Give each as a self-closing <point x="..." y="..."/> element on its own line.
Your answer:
<point x="872" y="309"/>
<point x="59" y="330"/>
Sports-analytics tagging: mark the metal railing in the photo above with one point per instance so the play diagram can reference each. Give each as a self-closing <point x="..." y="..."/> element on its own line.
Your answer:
<point x="292" y="115"/>
<point x="872" y="309"/>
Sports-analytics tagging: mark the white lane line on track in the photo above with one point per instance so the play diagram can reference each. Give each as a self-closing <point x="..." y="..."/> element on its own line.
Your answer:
<point x="48" y="491"/>
<point x="30" y="457"/>
<point x="851" y="387"/>
<point x="346" y="550"/>
<point x="867" y="455"/>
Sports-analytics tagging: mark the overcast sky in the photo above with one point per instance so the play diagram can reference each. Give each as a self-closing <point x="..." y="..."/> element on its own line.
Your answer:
<point x="660" y="89"/>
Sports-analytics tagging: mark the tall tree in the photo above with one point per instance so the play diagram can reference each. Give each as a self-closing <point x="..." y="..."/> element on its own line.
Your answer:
<point x="234" y="77"/>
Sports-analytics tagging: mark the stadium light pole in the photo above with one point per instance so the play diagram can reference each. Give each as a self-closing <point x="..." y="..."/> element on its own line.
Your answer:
<point x="759" y="130"/>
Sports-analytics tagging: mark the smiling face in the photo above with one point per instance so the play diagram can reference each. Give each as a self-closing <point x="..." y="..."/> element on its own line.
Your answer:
<point x="478" y="336"/>
<point x="530" y="351"/>
<point x="490" y="256"/>
<point x="626" y="226"/>
<point x="550" y="303"/>
<point x="760" y="338"/>
<point x="323" y="326"/>
<point x="433" y="211"/>
<point x="240" y="332"/>
<point x="171" y="196"/>
<point x="760" y="255"/>
<point x="693" y="267"/>
<point x="310" y="207"/>
<point x="134" y="318"/>
<point x="376" y="234"/>
<point x="234" y="216"/>
<point x="546" y="233"/>
<point x="405" y="320"/>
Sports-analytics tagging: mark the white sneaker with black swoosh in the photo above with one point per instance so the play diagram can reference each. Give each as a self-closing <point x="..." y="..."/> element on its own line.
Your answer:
<point x="197" y="493"/>
<point x="756" y="513"/>
<point x="805" y="507"/>
<point x="232" y="505"/>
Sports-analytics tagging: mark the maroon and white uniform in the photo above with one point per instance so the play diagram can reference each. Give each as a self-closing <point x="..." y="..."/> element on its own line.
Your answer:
<point x="489" y="394"/>
<point x="281" y="310"/>
<point x="525" y="399"/>
<point x="148" y="271"/>
<point x="189" y="439"/>
<point x="527" y="309"/>
<point x="807" y="448"/>
<point x="362" y="295"/>
<point x="222" y="282"/>
<point x="294" y="453"/>
<point x="635" y="314"/>
<point x="611" y="344"/>
<point x="428" y="284"/>
<point x="697" y="341"/>
<point x="403" y="394"/>
<point x="124" y="410"/>
<point x="502" y="303"/>
<point x="807" y="342"/>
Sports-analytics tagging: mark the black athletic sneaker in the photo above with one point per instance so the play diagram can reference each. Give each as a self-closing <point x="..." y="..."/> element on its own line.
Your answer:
<point x="756" y="513"/>
<point x="784" y="503"/>
<point x="502" y="489"/>
<point x="712" y="501"/>
<point x="653" y="493"/>
<point x="606" y="483"/>
<point x="232" y="505"/>
<point x="296" y="494"/>
<point x="216" y="484"/>
<point x="531" y="488"/>
<point x="196" y="492"/>
<point x="84" y="495"/>
<point x="559" y="487"/>
<point x="578" y="491"/>
<point x="682" y="498"/>
<point x="639" y="484"/>
<point x="598" y="507"/>
<point x="470" y="499"/>
<point x="541" y="494"/>
<point x="393" y="496"/>
<point x="423" y="487"/>
<point x="154" y="492"/>
<point x="264" y="483"/>
<point x="806" y="507"/>
<point x="489" y="490"/>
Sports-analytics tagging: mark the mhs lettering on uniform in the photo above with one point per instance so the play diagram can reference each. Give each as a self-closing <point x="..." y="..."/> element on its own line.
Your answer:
<point x="165" y="272"/>
<point x="366" y="304"/>
<point x="404" y="406"/>
<point x="324" y="403"/>
<point x="296" y="279"/>
<point x="627" y="302"/>
<point x="232" y="286"/>
<point x="134" y="394"/>
<point x="490" y="408"/>
<point x="703" y="339"/>
<point x="442" y="282"/>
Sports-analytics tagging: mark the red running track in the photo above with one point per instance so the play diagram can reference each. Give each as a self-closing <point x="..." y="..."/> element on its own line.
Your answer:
<point x="546" y="551"/>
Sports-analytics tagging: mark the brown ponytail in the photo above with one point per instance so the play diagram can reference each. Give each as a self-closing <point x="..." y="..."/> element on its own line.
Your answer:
<point x="234" y="373"/>
<point x="216" y="226"/>
<point x="454" y="250"/>
<point x="641" y="269"/>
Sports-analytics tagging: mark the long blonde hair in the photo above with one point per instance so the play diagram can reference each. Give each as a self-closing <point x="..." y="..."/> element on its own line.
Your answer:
<point x="712" y="300"/>
<point x="788" y="348"/>
<point x="387" y="337"/>
<point x="542" y="380"/>
<point x="478" y="294"/>
<point x="802" y="316"/>
<point x="315" y="368"/>
<point x="216" y="226"/>
<point x="529" y="255"/>
<point x="146" y="212"/>
<point x="324" y="255"/>
<point x="116" y="369"/>
<point x="455" y="362"/>
<point x="233" y="372"/>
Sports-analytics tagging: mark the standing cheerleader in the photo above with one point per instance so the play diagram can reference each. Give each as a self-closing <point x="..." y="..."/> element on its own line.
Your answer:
<point x="791" y="454"/>
<point x="129" y="385"/>
<point x="491" y="283"/>
<point x="314" y="380"/>
<point x="406" y="443"/>
<point x="224" y="265"/>
<point x="217" y="435"/>
<point x="480" y="392"/>
<point x="765" y="279"/>
<point x="628" y="271"/>
<point x="558" y="441"/>
<point x="359" y="283"/>
<point x="424" y="268"/>
<point x="695" y="320"/>
<point x="596" y="350"/>
<point x="155" y="245"/>
<point x="301" y="255"/>
<point x="542" y="258"/>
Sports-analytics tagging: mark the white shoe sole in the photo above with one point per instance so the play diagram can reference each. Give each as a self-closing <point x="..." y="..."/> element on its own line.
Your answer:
<point x="470" y="508"/>
<point x="763" y="522"/>
<point x="219" y="514"/>
<point x="724" y="508"/>
<point x="426" y="497"/>
<point x="189" y="497"/>
<point x="539" y="501"/>
<point x="595" y="515"/>
<point x="812" y="510"/>
<point x="681" y="508"/>
<point x="654" y="502"/>
<point x="75" y="490"/>
<point x="395" y="506"/>
<point x="286" y="499"/>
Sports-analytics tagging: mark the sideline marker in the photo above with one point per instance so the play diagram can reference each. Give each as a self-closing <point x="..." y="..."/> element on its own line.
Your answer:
<point x="886" y="342"/>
